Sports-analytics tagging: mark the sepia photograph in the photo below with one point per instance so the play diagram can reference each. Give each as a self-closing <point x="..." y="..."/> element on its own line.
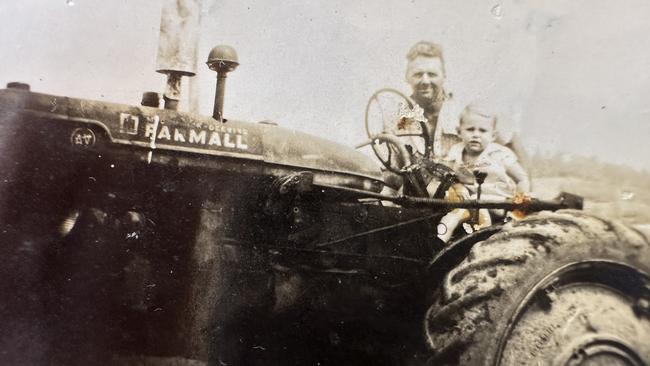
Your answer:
<point x="327" y="182"/>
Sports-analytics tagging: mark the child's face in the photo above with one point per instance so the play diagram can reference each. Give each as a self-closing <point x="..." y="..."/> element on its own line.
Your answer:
<point x="476" y="131"/>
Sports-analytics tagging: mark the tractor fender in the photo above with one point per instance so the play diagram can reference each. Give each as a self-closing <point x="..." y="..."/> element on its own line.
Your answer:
<point x="455" y="252"/>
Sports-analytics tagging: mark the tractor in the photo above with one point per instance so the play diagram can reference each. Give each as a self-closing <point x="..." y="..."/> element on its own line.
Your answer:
<point x="144" y="235"/>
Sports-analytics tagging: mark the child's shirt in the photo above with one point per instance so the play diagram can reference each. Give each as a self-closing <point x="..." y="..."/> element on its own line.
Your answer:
<point x="493" y="160"/>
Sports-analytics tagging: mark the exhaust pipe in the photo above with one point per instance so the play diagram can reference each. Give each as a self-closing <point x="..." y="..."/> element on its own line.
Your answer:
<point x="222" y="59"/>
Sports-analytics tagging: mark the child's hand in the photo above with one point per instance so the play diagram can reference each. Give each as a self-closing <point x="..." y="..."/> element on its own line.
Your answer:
<point x="458" y="193"/>
<point x="465" y="175"/>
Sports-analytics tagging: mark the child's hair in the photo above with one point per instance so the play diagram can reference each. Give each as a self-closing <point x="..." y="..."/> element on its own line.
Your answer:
<point x="481" y="110"/>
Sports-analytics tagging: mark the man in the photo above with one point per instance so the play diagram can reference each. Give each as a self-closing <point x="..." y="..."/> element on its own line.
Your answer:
<point x="425" y="72"/>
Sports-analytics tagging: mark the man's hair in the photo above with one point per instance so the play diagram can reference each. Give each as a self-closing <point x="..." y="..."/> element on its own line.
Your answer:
<point x="481" y="110"/>
<point x="426" y="49"/>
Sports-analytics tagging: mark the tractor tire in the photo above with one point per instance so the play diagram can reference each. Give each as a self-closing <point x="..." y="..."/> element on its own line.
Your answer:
<point x="560" y="288"/>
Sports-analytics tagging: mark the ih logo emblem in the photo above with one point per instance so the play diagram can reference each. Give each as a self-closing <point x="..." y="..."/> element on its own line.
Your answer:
<point x="128" y="124"/>
<point x="82" y="137"/>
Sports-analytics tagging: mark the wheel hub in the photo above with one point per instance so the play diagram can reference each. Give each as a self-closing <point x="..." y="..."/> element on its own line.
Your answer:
<point x="600" y="351"/>
<point x="582" y="314"/>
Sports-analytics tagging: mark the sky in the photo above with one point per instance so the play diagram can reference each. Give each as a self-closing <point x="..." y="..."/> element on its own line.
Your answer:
<point x="572" y="75"/>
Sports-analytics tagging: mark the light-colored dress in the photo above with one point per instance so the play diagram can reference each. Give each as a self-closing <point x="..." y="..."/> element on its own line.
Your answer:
<point x="493" y="160"/>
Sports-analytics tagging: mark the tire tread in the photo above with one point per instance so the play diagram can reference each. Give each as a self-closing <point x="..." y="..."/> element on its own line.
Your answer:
<point x="463" y="313"/>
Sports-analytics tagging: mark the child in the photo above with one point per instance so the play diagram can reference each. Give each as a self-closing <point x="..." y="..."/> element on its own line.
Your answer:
<point x="478" y="151"/>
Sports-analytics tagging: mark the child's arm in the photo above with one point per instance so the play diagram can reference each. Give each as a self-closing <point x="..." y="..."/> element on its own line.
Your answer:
<point x="519" y="175"/>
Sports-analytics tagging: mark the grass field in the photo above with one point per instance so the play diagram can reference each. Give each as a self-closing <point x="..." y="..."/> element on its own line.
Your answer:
<point x="610" y="191"/>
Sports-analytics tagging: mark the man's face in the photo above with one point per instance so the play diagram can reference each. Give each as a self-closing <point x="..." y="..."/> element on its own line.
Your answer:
<point x="476" y="131"/>
<point x="426" y="76"/>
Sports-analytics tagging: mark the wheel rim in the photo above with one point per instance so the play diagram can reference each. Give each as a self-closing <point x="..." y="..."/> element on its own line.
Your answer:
<point x="585" y="313"/>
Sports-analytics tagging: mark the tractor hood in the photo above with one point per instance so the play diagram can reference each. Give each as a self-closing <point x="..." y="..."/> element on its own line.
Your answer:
<point x="162" y="130"/>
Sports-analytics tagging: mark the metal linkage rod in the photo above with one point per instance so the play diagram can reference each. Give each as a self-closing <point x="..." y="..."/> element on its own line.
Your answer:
<point x="563" y="201"/>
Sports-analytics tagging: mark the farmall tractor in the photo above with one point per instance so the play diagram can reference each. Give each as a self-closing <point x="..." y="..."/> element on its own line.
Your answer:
<point x="141" y="235"/>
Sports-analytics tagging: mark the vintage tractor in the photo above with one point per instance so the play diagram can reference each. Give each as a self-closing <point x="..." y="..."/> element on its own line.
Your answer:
<point x="140" y="235"/>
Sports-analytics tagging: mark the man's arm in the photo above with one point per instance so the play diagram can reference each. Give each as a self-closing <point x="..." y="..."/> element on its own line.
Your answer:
<point x="519" y="175"/>
<point x="517" y="147"/>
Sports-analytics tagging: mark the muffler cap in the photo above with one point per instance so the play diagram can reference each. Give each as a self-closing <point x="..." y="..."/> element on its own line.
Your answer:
<point x="18" y="85"/>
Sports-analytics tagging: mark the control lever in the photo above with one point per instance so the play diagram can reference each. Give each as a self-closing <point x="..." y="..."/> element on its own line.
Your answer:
<point x="480" y="178"/>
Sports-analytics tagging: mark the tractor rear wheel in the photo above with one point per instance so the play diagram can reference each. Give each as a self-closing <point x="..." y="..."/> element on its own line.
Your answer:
<point x="560" y="288"/>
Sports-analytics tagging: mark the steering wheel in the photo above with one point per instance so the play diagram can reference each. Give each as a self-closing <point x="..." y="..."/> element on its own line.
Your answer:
<point x="396" y="129"/>
<point x="391" y="151"/>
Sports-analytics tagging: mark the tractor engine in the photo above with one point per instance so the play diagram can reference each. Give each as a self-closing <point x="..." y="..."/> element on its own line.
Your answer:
<point x="146" y="233"/>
